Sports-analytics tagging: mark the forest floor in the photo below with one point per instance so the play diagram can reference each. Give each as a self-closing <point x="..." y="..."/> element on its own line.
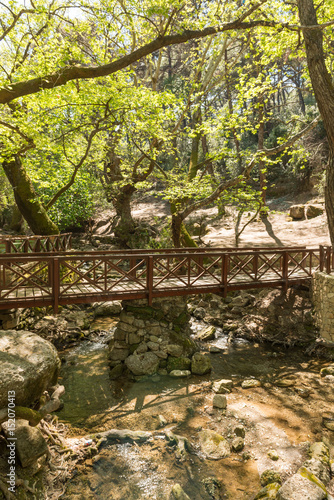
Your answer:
<point x="278" y="229"/>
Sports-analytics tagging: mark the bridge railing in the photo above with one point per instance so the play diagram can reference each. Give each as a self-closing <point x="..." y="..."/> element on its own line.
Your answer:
<point x="36" y="244"/>
<point x="28" y="280"/>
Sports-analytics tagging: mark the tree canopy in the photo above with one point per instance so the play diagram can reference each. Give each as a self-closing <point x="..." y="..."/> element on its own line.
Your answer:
<point x="201" y="94"/>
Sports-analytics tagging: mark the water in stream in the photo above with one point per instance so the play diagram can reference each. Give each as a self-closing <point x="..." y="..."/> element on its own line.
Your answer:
<point x="275" y="416"/>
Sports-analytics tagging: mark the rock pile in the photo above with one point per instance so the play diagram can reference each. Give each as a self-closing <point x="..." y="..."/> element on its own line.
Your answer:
<point x="151" y="339"/>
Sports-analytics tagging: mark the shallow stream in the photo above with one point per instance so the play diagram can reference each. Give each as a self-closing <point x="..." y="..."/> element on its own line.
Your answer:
<point x="284" y="414"/>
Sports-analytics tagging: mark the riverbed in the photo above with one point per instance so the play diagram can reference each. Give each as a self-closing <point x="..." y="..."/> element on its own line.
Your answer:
<point x="282" y="415"/>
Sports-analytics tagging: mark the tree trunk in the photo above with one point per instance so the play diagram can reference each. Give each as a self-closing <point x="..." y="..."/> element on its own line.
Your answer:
<point x="26" y="198"/>
<point x="324" y="95"/>
<point x="180" y="235"/>
<point x="122" y="203"/>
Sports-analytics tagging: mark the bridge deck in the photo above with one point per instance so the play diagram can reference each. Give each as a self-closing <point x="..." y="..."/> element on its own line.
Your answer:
<point x="78" y="277"/>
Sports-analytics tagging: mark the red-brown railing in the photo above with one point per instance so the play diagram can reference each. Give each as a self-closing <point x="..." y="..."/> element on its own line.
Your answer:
<point x="28" y="280"/>
<point x="36" y="244"/>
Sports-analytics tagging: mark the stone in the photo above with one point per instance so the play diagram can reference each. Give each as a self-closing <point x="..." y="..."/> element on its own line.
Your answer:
<point x="30" y="443"/>
<point x="143" y="364"/>
<point x="297" y="212"/>
<point x="200" y="364"/>
<point x="320" y="451"/>
<point x="116" y="354"/>
<point x="180" y="373"/>
<point x="174" y="350"/>
<point x="212" y="487"/>
<point x="328" y="370"/>
<point x="302" y="487"/>
<point x="177" y="493"/>
<point x="219" y="401"/>
<point x="320" y="469"/>
<point x="273" y="455"/>
<point x="133" y="338"/>
<point x="126" y="318"/>
<point x="328" y="421"/>
<point x="269" y="492"/>
<point x="222" y="386"/>
<point x="270" y="476"/>
<point x="116" y="371"/>
<point x="107" y="309"/>
<point x="119" y="334"/>
<point x="162" y="422"/>
<point x="238" y="444"/>
<point x="249" y="383"/>
<point x="199" y="312"/>
<point x="181" y="363"/>
<point x="214" y="349"/>
<point x="126" y="327"/>
<point x="284" y="382"/>
<point x="207" y="334"/>
<point x="142" y="348"/>
<point x="239" y="431"/>
<point x="161" y="354"/>
<point x="29" y="365"/>
<point x="154" y="338"/>
<point x="153" y="346"/>
<point x="213" y="445"/>
<point x="314" y="211"/>
<point x="240" y="301"/>
<point x="303" y="392"/>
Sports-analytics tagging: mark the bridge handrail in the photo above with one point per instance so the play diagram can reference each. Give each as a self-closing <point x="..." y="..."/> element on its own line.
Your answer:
<point x="35" y="244"/>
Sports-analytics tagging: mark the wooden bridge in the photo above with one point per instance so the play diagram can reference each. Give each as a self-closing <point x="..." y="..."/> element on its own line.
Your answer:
<point x="70" y="277"/>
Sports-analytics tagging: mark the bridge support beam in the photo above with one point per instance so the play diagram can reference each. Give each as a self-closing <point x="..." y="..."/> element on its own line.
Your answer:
<point x="152" y="338"/>
<point x="323" y="301"/>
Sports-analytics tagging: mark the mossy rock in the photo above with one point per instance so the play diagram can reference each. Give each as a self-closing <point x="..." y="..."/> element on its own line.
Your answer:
<point x="269" y="492"/>
<point x="182" y="318"/>
<point x="181" y="363"/>
<point x="189" y="346"/>
<point x="133" y="347"/>
<point x="319" y="451"/>
<point x="143" y="312"/>
<point x="116" y="372"/>
<point x="270" y="476"/>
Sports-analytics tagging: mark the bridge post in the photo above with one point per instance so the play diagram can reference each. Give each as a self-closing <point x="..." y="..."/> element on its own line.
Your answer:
<point x="55" y="283"/>
<point x="328" y="260"/>
<point x="150" y="279"/>
<point x="224" y="273"/>
<point x="285" y="270"/>
<point x="321" y="258"/>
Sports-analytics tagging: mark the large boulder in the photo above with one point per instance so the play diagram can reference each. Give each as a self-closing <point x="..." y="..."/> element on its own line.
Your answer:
<point x="29" y="365"/>
<point x="302" y="486"/>
<point x="314" y="211"/>
<point x="297" y="212"/>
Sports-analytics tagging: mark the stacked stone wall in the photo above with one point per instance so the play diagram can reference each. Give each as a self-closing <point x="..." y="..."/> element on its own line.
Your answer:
<point x="151" y="339"/>
<point x="323" y="301"/>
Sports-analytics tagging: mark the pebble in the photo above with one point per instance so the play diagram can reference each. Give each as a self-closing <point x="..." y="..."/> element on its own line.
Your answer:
<point x="284" y="382"/>
<point x="273" y="455"/>
<point x="302" y="392"/>
<point x="219" y="401"/>
<point x="180" y="373"/>
<point x="249" y="383"/>
<point x="239" y="431"/>
<point x="214" y="349"/>
<point x="238" y="444"/>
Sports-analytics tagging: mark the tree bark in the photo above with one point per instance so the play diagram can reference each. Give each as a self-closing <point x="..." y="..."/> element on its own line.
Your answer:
<point x="122" y="203"/>
<point x="324" y="95"/>
<point x="26" y="198"/>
